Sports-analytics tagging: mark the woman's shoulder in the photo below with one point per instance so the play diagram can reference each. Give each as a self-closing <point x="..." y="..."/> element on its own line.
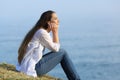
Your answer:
<point x="41" y="31"/>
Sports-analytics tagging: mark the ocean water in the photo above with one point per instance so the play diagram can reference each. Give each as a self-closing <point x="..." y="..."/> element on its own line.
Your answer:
<point x="93" y="45"/>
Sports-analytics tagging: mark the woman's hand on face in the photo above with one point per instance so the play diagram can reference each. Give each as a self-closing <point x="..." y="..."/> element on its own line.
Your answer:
<point x="53" y="27"/>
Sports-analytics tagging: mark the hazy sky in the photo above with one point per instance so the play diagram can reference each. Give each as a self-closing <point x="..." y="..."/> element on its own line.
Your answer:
<point x="20" y="9"/>
<point x="82" y="14"/>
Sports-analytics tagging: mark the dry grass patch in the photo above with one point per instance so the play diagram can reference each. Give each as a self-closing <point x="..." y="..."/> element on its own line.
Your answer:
<point x="8" y="72"/>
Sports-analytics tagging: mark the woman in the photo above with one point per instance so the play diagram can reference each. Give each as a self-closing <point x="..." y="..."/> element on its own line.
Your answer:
<point x="31" y="60"/>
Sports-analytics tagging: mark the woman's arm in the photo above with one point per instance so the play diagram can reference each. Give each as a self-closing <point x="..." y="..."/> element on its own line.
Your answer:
<point x="47" y="41"/>
<point x="54" y="29"/>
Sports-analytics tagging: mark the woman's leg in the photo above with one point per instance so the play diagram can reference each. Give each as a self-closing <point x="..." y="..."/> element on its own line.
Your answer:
<point x="68" y="67"/>
<point x="50" y="60"/>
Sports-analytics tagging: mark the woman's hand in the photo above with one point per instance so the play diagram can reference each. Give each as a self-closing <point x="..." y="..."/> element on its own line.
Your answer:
<point x="53" y="27"/>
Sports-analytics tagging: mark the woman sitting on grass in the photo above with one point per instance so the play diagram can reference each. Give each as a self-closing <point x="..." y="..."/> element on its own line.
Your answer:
<point x="31" y="60"/>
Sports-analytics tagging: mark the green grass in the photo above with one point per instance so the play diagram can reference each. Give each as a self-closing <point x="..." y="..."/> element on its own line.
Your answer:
<point x="8" y="72"/>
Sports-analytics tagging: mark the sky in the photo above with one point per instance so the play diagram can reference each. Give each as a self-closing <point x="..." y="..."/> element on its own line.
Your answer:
<point x="22" y="9"/>
<point x="20" y="13"/>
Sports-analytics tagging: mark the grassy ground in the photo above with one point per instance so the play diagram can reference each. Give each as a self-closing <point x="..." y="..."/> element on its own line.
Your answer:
<point x="8" y="72"/>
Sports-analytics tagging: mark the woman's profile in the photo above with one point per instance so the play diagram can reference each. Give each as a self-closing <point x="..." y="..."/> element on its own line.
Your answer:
<point x="31" y="59"/>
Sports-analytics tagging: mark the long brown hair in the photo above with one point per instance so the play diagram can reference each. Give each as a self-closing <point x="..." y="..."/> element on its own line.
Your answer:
<point x="42" y="23"/>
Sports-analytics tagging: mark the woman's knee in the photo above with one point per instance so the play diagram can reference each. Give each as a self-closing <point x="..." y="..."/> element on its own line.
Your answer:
<point x="63" y="51"/>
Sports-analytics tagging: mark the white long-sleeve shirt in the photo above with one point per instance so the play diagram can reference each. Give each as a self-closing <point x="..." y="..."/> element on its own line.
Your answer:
<point x="34" y="51"/>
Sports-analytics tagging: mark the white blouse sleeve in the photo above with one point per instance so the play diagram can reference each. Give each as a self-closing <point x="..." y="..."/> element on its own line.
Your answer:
<point x="47" y="41"/>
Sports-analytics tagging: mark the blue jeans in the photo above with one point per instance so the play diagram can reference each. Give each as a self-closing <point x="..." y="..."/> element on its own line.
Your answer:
<point x="51" y="59"/>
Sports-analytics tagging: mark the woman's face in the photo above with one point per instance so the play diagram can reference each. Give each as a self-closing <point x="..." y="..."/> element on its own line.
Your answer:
<point x="54" y="19"/>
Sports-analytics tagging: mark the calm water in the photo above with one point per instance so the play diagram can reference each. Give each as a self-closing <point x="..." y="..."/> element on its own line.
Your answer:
<point x="92" y="44"/>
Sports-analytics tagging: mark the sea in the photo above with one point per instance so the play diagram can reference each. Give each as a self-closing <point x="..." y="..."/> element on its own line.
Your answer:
<point x="93" y="44"/>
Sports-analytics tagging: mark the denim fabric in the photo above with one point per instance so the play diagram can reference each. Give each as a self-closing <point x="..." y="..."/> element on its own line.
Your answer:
<point x="51" y="59"/>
